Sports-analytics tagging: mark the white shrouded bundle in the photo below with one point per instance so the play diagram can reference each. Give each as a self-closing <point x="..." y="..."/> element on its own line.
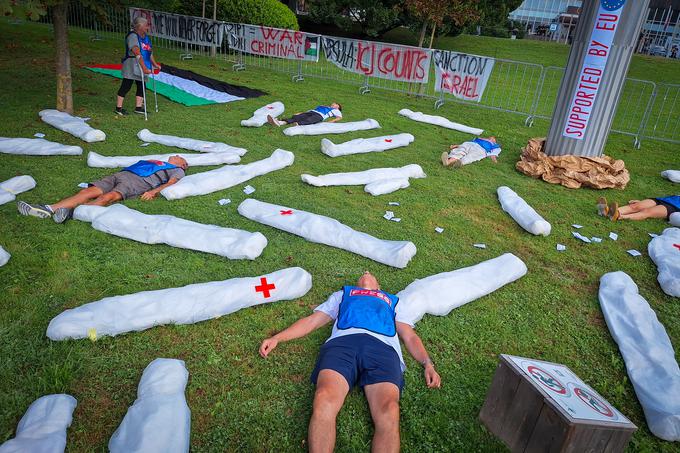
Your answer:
<point x="441" y="293"/>
<point x="42" y="429"/>
<point x="227" y="176"/>
<point x="665" y="252"/>
<point x="671" y="175"/>
<point x="4" y="256"/>
<point x="675" y="219"/>
<point x="74" y="125"/>
<point x="259" y="117"/>
<point x="37" y="147"/>
<point x="193" y="160"/>
<point x="390" y="178"/>
<point x="186" y="305"/>
<point x="439" y="121"/>
<point x="325" y="230"/>
<point x="647" y="352"/>
<point x="189" y="143"/>
<point x="122" y="221"/>
<point x="365" y="145"/>
<point x="332" y="128"/>
<point x="159" y="421"/>
<point x="14" y="186"/>
<point x="522" y="213"/>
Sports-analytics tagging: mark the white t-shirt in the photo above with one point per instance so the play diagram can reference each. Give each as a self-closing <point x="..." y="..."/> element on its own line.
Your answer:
<point x="332" y="306"/>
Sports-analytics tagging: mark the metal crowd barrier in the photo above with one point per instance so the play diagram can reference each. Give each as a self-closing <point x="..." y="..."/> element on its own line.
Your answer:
<point x="645" y="110"/>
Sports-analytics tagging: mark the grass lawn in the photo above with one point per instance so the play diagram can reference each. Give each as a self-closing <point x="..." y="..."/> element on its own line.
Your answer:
<point x="238" y="400"/>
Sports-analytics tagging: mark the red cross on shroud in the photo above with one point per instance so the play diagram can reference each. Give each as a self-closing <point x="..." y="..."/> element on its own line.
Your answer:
<point x="288" y="212"/>
<point x="388" y="140"/>
<point x="264" y="287"/>
<point x="677" y="246"/>
<point x="270" y="107"/>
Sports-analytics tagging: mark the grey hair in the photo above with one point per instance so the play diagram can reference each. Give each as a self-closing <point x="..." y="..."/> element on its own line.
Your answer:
<point x="139" y="20"/>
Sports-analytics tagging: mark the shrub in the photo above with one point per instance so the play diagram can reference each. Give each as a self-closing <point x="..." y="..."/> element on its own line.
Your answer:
<point x="271" y="13"/>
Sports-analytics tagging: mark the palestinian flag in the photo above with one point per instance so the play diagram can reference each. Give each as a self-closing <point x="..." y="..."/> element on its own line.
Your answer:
<point x="187" y="87"/>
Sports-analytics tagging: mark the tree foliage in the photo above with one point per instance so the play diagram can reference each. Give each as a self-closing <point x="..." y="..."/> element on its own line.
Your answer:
<point x="441" y="15"/>
<point x="373" y="17"/>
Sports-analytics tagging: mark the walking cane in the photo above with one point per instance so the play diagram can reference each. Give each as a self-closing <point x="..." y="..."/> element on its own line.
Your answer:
<point x="143" y="89"/>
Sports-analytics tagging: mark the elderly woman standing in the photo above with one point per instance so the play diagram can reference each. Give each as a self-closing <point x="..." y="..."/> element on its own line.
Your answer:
<point x="138" y="53"/>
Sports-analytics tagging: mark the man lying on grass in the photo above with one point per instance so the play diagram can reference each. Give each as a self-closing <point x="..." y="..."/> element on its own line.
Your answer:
<point x="650" y="208"/>
<point x="318" y="114"/>
<point x="469" y="152"/>
<point x="144" y="179"/>
<point x="363" y="349"/>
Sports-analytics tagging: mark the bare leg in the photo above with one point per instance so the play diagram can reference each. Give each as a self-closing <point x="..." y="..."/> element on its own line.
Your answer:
<point x="106" y="199"/>
<point x="119" y="101"/>
<point x="657" y="212"/>
<point x="383" y="400"/>
<point x="636" y="206"/>
<point x="81" y="197"/>
<point x="331" y="390"/>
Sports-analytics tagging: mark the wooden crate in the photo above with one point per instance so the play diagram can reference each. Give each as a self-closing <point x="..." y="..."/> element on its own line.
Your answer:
<point x="536" y="406"/>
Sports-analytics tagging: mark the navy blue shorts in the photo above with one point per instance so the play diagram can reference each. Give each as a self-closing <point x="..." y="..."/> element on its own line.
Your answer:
<point x="672" y="204"/>
<point x="361" y="359"/>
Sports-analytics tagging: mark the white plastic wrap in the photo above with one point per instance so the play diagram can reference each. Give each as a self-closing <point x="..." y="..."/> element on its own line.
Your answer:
<point x="73" y="125"/>
<point x="439" y="121"/>
<point x="647" y="352"/>
<point x="325" y="230"/>
<point x="122" y="221"/>
<point x="193" y="160"/>
<point x="522" y="213"/>
<point x="389" y="179"/>
<point x="159" y="421"/>
<point x="365" y="145"/>
<point x="227" y="176"/>
<point x="332" y="128"/>
<point x="675" y="219"/>
<point x="37" y="147"/>
<point x="12" y="187"/>
<point x="665" y="252"/>
<point x="259" y="117"/>
<point x="42" y="429"/>
<point x="4" y="257"/>
<point x="186" y="305"/>
<point x="441" y="293"/>
<point x="189" y="143"/>
<point x="671" y="175"/>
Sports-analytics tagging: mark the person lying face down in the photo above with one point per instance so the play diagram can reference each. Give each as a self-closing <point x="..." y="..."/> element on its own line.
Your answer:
<point x="318" y="114"/>
<point x="144" y="179"/>
<point x="650" y="208"/>
<point x="469" y="152"/>
<point x="363" y="349"/>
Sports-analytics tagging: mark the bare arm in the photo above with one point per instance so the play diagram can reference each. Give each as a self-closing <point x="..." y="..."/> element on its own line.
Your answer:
<point x="453" y="146"/>
<point x="415" y="347"/>
<point x="494" y="159"/>
<point x="298" y="329"/>
<point x="138" y="56"/>
<point x="151" y="194"/>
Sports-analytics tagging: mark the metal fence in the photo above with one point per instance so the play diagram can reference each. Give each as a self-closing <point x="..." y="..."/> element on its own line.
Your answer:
<point x="645" y="110"/>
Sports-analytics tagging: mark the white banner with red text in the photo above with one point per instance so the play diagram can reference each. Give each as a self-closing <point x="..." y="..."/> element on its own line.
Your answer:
<point x="175" y="27"/>
<point x="274" y="42"/>
<point x="381" y="60"/>
<point x="462" y="75"/>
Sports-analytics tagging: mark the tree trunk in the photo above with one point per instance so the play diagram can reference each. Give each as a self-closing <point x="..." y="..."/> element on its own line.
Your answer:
<point x="434" y="28"/>
<point x="421" y="39"/>
<point x="63" y="57"/>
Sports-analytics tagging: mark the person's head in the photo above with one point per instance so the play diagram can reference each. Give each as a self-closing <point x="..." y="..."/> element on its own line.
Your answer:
<point x="178" y="161"/>
<point x="335" y="105"/>
<point x="368" y="281"/>
<point x="140" y="25"/>
<point x="492" y="139"/>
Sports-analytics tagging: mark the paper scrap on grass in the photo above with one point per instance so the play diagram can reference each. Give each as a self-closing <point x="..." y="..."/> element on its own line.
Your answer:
<point x="613" y="236"/>
<point x="83" y="185"/>
<point x="479" y="246"/>
<point x="395" y="219"/>
<point x="633" y="252"/>
<point x="224" y="201"/>
<point x="145" y="144"/>
<point x="393" y="203"/>
<point x="596" y="239"/>
<point x="388" y="215"/>
<point x="248" y="190"/>
<point x="439" y="229"/>
<point x="581" y="237"/>
<point x="577" y="226"/>
<point x="561" y="247"/>
<point x="39" y="135"/>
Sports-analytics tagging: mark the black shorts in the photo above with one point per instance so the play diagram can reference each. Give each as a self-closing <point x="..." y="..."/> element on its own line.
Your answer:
<point x="672" y="209"/>
<point x="361" y="359"/>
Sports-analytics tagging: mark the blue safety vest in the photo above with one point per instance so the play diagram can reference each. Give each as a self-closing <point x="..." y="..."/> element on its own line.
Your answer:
<point x="146" y="168"/>
<point x="323" y="110"/>
<point x="486" y="144"/>
<point x="145" y="49"/>
<point x="368" y="309"/>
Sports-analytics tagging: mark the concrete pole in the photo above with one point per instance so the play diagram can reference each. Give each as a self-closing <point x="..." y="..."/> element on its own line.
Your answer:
<point x="601" y="49"/>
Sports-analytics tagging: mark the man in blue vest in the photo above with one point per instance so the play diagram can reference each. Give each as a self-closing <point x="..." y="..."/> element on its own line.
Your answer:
<point x="363" y="349"/>
<point x="144" y="179"/>
<point x="318" y="114"/>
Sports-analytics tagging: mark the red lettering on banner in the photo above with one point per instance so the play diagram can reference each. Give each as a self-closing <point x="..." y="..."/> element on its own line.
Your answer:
<point x="368" y="70"/>
<point x="466" y="87"/>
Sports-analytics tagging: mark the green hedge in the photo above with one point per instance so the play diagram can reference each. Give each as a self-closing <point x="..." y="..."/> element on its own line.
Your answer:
<point x="271" y="13"/>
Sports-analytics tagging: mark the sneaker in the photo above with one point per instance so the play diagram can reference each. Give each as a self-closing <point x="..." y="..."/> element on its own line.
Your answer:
<point x="273" y="121"/>
<point x="614" y="213"/>
<point x="445" y="159"/>
<point x="120" y="111"/>
<point x="139" y="110"/>
<point x="61" y="215"/>
<point x="602" y="207"/>
<point x="41" y="211"/>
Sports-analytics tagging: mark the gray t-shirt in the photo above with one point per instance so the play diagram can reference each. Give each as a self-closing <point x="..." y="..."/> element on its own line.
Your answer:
<point x="163" y="176"/>
<point x="130" y="68"/>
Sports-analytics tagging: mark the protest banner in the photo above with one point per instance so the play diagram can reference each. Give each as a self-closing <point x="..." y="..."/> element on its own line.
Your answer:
<point x="376" y="59"/>
<point x="274" y="42"/>
<point x="462" y="75"/>
<point x="175" y="27"/>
